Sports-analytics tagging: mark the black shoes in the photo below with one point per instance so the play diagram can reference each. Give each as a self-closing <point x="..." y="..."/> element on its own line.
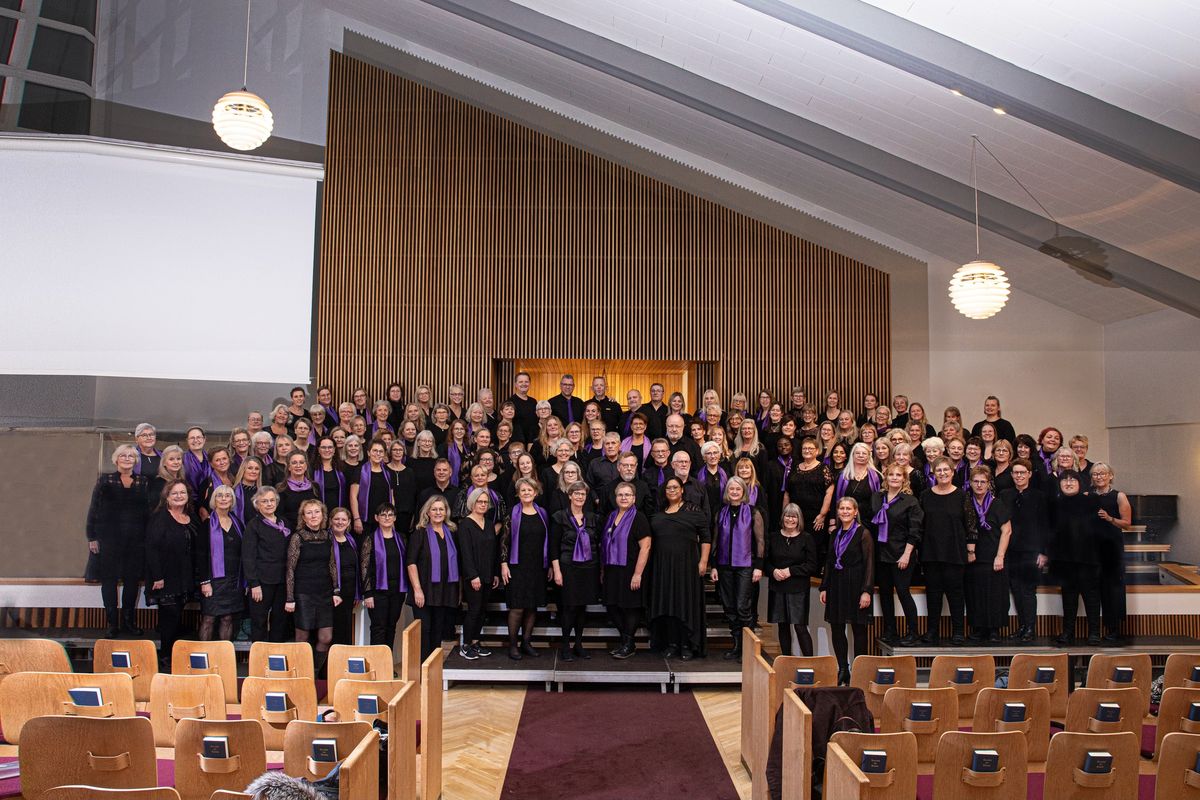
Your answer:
<point x="480" y="650"/>
<point x="1093" y="639"/>
<point x="514" y="653"/>
<point x="467" y="652"/>
<point x="671" y="652"/>
<point x="957" y="640"/>
<point x="686" y="654"/>
<point x="1066" y="639"/>
<point x="564" y="654"/>
<point x="931" y="638"/>
<point x="529" y="650"/>
<point x="626" y="650"/>
<point x="113" y="631"/>
<point x="581" y="653"/>
<point x="843" y="676"/>
<point x="908" y="641"/>
<point x="132" y="629"/>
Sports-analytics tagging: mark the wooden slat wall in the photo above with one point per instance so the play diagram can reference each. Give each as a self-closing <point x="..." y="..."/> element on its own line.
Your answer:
<point x="453" y="237"/>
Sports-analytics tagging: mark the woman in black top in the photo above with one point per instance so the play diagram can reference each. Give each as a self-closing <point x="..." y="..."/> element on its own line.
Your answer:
<point x="775" y="482"/>
<point x="1114" y="516"/>
<point x="329" y="475"/>
<point x="791" y="559"/>
<point x="810" y="486"/>
<point x="524" y="561"/>
<point x="433" y="574"/>
<point x="170" y="564"/>
<point x="623" y="569"/>
<point x="575" y="562"/>
<point x="294" y="489"/>
<point x="116" y="533"/>
<point x="404" y="487"/>
<point x="170" y="468"/>
<point x="383" y="576"/>
<point x="739" y="536"/>
<point x="847" y="584"/>
<point x="949" y="533"/>
<point x="369" y="490"/>
<point x="245" y="488"/>
<point x="264" y="563"/>
<point x="220" y="560"/>
<point x="681" y="541"/>
<point x="1075" y="556"/>
<point x="312" y="580"/>
<point x="478" y="553"/>
<point x="986" y="579"/>
<point x="346" y="566"/>
<point x="897" y="522"/>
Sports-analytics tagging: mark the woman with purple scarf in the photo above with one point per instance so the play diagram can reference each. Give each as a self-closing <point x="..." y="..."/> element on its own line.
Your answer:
<point x="222" y="587"/>
<point x="312" y="580"/>
<point x="986" y="578"/>
<point x="346" y="567"/>
<point x="524" y="561"/>
<point x="264" y="564"/>
<point x="847" y="584"/>
<point x="383" y="575"/>
<point x="574" y="558"/>
<point x="739" y="535"/>
<point x="433" y="574"/>
<point x="625" y="544"/>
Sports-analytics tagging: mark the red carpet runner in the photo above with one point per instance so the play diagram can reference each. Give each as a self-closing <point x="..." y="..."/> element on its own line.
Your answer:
<point x="602" y="744"/>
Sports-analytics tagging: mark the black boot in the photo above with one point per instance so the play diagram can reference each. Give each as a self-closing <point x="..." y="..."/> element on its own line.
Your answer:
<point x="735" y="653"/>
<point x="130" y="626"/>
<point x="529" y="650"/>
<point x="113" y="629"/>
<point x="843" y="675"/>
<point x="627" y="648"/>
<point x="564" y="652"/>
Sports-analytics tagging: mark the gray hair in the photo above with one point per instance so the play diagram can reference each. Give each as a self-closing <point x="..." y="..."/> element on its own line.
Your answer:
<point x="474" y="496"/>
<point x="123" y="448"/>
<point x="143" y="427"/>
<point x="220" y="491"/>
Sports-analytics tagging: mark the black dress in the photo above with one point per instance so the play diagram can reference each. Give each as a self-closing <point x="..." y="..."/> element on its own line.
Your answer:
<point x="787" y="600"/>
<point x="527" y="577"/>
<point x="845" y="585"/>
<point x="617" y="577"/>
<point x="676" y="588"/>
<point x="311" y="576"/>
<point x="170" y="558"/>
<point x="117" y="520"/>
<point x="228" y="592"/>
<point x="806" y="488"/>
<point x="987" y="590"/>
<point x="580" y="578"/>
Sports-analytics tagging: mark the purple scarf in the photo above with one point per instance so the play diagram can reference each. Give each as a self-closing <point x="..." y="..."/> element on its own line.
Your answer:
<point x="616" y="538"/>
<point x="787" y="470"/>
<point x="627" y="428"/>
<point x="435" y="556"/>
<point x="764" y="420"/>
<point x="216" y="543"/>
<point x="337" y="560"/>
<point x="929" y="479"/>
<point x="703" y="475"/>
<point x="277" y="525"/>
<point x="981" y="509"/>
<point x="583" y="542"/>
<point x="381" y="572"/>
<point x="514" y="546"/>
<point x="364" y="489"/>
<point x="454" y="456"/>
<point x="377" y="426"/>
<point x="332" y="415"/>
<point x="137" y="468"/>
<point x="733" y="537"/>
<point x="319" y="479"/>
<point x="841" y="543"/>
<point x="302" y="485"/>
<point x="239" y="501"/>
<point x="196" y="470"/>
<point x="627" y="446"/>
<point x="843" y="483"/>
<point x="881" y="519"/>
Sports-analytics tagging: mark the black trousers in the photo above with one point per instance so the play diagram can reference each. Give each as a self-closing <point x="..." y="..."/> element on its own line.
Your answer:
<point x="437" y="625"/>
<point x="1023" y="579"/>
<point x="268" y="620"/>
<point x="1076" y="580"/>
<point x="893" y="579"/>
<point x="1112" y="582"/>
<point x="129" y="599"/>
<point x="343" y="623"/>
<point x="944" y="580"/>
<point x="476" y="604"/>
<point x="169" y="621"/>
<point x="385" y="616"/>
<point x="734" y="588"/>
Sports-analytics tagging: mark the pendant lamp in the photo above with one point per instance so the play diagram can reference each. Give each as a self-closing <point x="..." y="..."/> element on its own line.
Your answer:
<point x="241" y="118"/>
<point x="978" y="289"/>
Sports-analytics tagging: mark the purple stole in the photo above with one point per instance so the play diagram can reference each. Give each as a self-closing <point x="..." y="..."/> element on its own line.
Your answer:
<point x="337" y="560"/>
<point x="787" y="470"/>
<point x="843" y="483"/>
<point x="733" y="537"/>
<point x="137" y="468"/>
<point x="381" y="572"/>
<point x="195" y="470"/>
<point x="514" y="546"/>
<point x="627" y="445"/>
<point x="627" y="428"/>
<point x="583" y="542"/>
<point x="454" y="456"/>
<point x="239" y="502"/>
<point x="1048" y="461"/>
<point x="375" y="427"/>
<point x="753" y="498"/>
<point x="981" y="509"/>
<point x="881" y="519"/>
<point x="764" y="420"/>
<point x="364" y="489"/>
<point x="332" y="415"/>
<point x="319" y="479"/>
<point x="302" y="485"/>
<point x="929" y="479"/>
<point x="841" y="543"/>
<point x="615" y="543"/>
<point x="703" y="475"/>
<point x="435" y="556"/>
<point x="216" y="543"/>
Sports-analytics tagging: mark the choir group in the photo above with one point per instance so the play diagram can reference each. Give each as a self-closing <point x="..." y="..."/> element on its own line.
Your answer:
<point x="315" y="508"/>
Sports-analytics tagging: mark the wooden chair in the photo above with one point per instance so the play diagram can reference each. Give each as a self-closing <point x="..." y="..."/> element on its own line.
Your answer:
<point x="1100" y="672"/>
<point x="862" y="676"/>
<point x="1178" y="671"/>
<point x="143" y="662"/>
<point x="1177" y="776"/>
<point x="27" y="695"/>
<point x="359" y="776"/>
<point x="1173" y="715"/>
<point x="403" y="710"/>
<point x="222" y="662"/>
<point x="845" y="779"/>
<point x="32" y="655"/>
<point x="410" y="652"/>
<point x="944" y="669"/>
<point x="197" y="777"/>
<point x="379" y="662"/>
<point x="1023" y="670"/>
<point x="432" y="696"/>
<point x="178" y="697"/>
<point x="115" y="753"/>
<point x="345" y="698"/>
<point x="751" y="649"/>
<point x="824" y="669"/>
<point x="1065" y="777"/>
<point x="1081" y="709"/>
<point x="92" y="792"/>
<point x="297" y="745"/>
<point x="953" y="776"/>
<point x="896" y="705"/>
<point x="299" y="657"/>
<point x="989" y="717"/>
<point x="302" y="704"/>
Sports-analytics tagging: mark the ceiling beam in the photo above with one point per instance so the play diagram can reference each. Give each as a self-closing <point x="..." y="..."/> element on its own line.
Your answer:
<point x="1066" y="112"/>
<point x="1081" y="251"/>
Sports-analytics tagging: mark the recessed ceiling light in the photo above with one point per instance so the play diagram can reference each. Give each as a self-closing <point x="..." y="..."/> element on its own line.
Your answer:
<point x="956" y="93"/>
<point x="999" y="110"/>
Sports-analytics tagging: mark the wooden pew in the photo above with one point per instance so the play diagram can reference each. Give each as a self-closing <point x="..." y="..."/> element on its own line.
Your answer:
<point x="403" y="710"/>
<point x="1177" y="777"/>
<point x="359" y="775"/>
<point x="989" y="717"/>
<point x="896" y="706"/>
<point x="222" y="662"/>
<point x="1101" y="666"/>
<point x="797" y="749"/>
<point x="298" y="739"/>
<point x="1023" y="670"/>
<point x="177" y="697"/>
<point x="98" y="793"/>
<point x="1065" y="777"/>
<point x="1081" y="710"/>
<point x="302" y="704"/>
<point x="410" y="652"/>
<point x="751" y="649"/>
<point x="32" y="655"/>
<point x="431" y="725"/>
<point x="379" y="662"/>
<point x="1173" y="715"/>
<point x="299" y="657"/>
<point x="760" y="693"/>
<point x="862" y="676"/>
<point x="944" y="668"/>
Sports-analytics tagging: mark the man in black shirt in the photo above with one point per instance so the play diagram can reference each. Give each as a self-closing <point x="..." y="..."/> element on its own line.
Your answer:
<point x="678" y="441"/>
<point x="610" y="410"/>
<point x="525" y="406"/>
<point x="656" y="412"/>
<point x="991" y="413"/>
<point x="565" y="405"/>
<point x="627" y="472"/>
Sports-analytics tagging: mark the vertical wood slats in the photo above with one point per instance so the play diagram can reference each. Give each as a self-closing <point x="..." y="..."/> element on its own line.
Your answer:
<point x="453" y="238"/>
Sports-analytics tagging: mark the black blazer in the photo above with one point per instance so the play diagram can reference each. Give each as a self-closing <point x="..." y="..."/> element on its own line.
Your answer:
<point x="264" y="554"/>
<point x="170" y="554"/>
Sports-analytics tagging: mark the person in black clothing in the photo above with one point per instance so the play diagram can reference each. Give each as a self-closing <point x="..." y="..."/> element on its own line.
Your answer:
<point x="847" y="584"/>
<point x="739" y="535"/>
<point x="789" y="562"/>
<point x="658" y="469"/>
<point x="1027" y="547"/>
<point x="370" y="489"/>
<point x="116" y="533"/>
<point x="681" y="542"/>
<point x="985" y="578"/>
<point x="433" y="574"/>
<point x="575" y="562"/>
<point x="264" y="565"/>
<point x="565" y="405"/>
<point x="219" y="557"/>
<point x="623" y="571"/>
<point x="991" y="413"/>
<point x="627" y="472"/>
<point x="170" y="564"/>
<point x="524" y="562"/>
<point x="897" y="523"/>
<point x="478" y="552"/>
<point x="525" y="408"/>
<point x="149" y="457"/>
<point x="312" y="580"/>
<point x="1075" y="557"/>
<point x="678" y="441"/>
<point x="294" y="489"/>
<point x="610" y="410"/>
<point x="1113" y="517"/>
<point x="329" y="475"/>
<point x="383" y="576"/>
<point x="346" y="567"/>
<point x="775" y="481"/>
<point x="949" y="536"/>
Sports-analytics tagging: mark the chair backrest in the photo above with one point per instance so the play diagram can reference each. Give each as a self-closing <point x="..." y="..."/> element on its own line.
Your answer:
<point x="1082" y="709"/>
<point x="403" y="712"/>
<point x="197" y="777"/>
<point x="983" y="674"/>
<point x="222" y="662"/>
<point x="177" y="697"/>
<point x="1022" y="674"/>
<point x="378" y="660"/>
<point x="862" y="676"/>
<point x="301" y="704"/>
<point x="410" y="652"/>
<point x="1173" y="714"/>
<point x="1101" y="670"/>
<point x="751" y="649"/>
<point x="432" y="696"/>
<point x="27" y="695"/>
<point x="897" y="782"/>
<point x="116" y="753"/>
<point x="825" y="669"/>
<point x="298" y="656"/>
<point x="90" y="792"/>
<point x="359" y="776"/>
<point x="1066" y="778"/>
<point x="1178" y="671"/>
<point x="1177" y="776"/>
<point x="32" y="655"/>
<point x="345" y="699"/>
<point x="954" y="777"/>
<point x="897" y="704"/>
<point x="989" y="717"/>
<point x="297" y="745"/>
<point x="143" y="662"/>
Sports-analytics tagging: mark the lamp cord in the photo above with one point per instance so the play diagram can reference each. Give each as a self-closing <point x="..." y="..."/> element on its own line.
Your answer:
<point x="975" y="183"/>
<point x="246" y="62"/>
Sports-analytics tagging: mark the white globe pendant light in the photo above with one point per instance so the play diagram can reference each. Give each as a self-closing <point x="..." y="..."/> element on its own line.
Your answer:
<point x="978" y="289"/>
<point x="241" y="118"/>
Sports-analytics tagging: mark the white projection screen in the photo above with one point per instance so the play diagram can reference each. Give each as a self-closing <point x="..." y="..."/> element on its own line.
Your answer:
<point x="149" y="262"/>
